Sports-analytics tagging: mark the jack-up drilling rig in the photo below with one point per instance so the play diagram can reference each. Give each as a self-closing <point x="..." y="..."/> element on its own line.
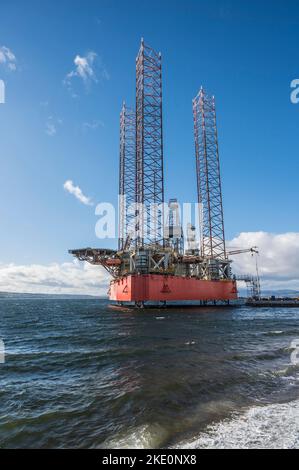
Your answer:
<point x="151" y="263"/>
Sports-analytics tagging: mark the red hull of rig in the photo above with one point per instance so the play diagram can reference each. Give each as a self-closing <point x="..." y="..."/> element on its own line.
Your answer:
<point x="155" y="287"/>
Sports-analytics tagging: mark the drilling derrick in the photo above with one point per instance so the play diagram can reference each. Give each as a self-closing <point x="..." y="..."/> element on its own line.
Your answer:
<point x="149" y="148"/>
<point x="209" y="191"/>
<point x="127" y="171"/>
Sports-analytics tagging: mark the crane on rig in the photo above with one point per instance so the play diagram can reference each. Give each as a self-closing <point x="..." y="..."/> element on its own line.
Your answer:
<point x="252" y="281"/>
<point x="252" y="250"/>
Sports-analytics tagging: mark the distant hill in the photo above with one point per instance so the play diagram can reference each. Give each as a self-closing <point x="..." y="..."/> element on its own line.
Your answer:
<point x="281" y="293"/>
<point x="15" y="295"/>
<point x="268" y="292"/>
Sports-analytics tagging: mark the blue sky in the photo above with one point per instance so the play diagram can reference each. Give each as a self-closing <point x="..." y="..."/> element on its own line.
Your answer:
<point x="55" y="128"/>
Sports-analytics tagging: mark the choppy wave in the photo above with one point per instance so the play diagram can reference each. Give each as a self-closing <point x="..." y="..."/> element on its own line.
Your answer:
<point x="288" y="332"/>
<point x="142" y="437"/>
<point x="269" y="427"/>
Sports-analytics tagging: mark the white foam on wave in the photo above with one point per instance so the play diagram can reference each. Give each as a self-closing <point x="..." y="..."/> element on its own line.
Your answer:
<point x="148" y="436"/>
<point x="268" y="427"/>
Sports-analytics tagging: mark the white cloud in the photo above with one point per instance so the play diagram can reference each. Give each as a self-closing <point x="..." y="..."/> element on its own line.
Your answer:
<point x="50" y="129"/>
<point x="65" y="278"/>
<point x="77" y="192"/>
<point x="88" y="68"/>
<point x="52" y="125"/>
<point x="92" y="125"/>
<point x="7" y="58"/>
<point x="278" y="258"/>
<point x="84" y="67"/>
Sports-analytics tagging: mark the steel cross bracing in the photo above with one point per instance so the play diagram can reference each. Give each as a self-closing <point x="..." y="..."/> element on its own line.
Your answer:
<point x="252" y="284"/>
<point x="127" y="175"/>
<point x="208" y="176"/>
<point x="149" y="148"/>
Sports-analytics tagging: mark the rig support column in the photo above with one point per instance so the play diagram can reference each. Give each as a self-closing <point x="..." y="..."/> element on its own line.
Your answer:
<point x="126" y="175"/>
<point x="149" y="147"/>
<point x="208" y="176"/>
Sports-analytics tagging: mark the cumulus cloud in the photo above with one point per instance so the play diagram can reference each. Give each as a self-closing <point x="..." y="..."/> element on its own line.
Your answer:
<point x="52" y="126"/>
<point x="51" y="129"/>
<point x="92" y="125"/>
<point x="65" y="278"/>
<point x="77" y="192"/>
<point x="278" y="258"/>
<point x="7" y="58"/>
<point x="88" y="68"/>
<point x="84" y="67"/>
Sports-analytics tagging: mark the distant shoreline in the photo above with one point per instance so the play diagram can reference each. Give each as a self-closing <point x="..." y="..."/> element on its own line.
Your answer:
<point x="30" y="295"/>
<point x="11" y="295"/>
